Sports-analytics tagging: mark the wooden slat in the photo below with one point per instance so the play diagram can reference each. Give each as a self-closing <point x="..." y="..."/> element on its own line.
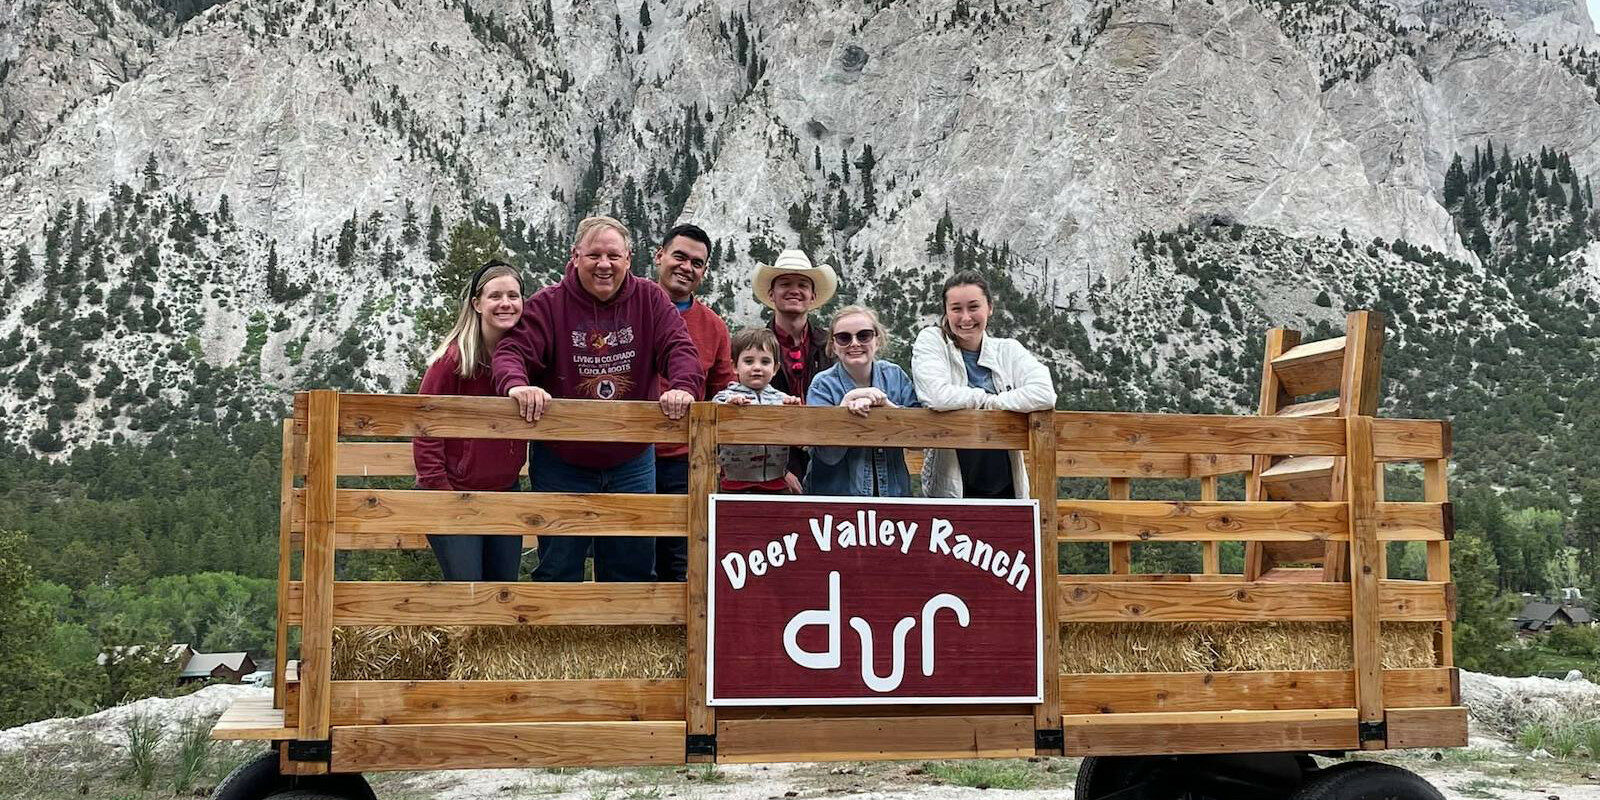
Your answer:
<point x="448" y="417"/>
<point x="1210" y="732"/>
<point x="1184" y="521"/>
<point x="1211" y="556"/>
<point x="1075" y="464"/>
<point x="1043" y="463"/>
<point x="316" y="601"/>
<point x="1435" y="488"/>
<point x="413" y="702"/>
<point x="874" y="738"/>
<point x="291" y="451"/>
<point x="375" y="460"/>
<point x="422" y="603"/>
<point x="1363" y="357"/>
<point x="1327" y="407"/>
<point x="1250" y="691"/>
<point x="1151" y="577"/>
<point x="376" y="748"/>
<point x="392" y="541"/>
<point x="1241" y="601"/>
<point x="1444" y="726"/>
<point x="1299" y="468"/>
<point x="1197" y="433"/>
<point x="1121" y="553"/>
<point x="700" y="719"/>
<point x="252" y="718"/>
<point x="1312" y="367"/>
<point x="1426" y="727"/>
<point x="1414" y="522"/>
<point x="1365" y="553"/>
<point x="1213" y="464"/>
<point x="886" y="427"/>
<point x="1410" y="439"/>
<point x="365" y="511"/>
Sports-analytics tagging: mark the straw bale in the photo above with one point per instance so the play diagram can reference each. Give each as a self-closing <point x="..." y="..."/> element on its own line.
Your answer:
<point x="391" y="652"/>
<point x="567" y="653"/>
<point x="1233" y="646"/>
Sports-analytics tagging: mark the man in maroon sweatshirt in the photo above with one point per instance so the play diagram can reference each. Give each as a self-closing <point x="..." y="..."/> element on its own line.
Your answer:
<point x="681" y="263"/>
<point x="599" y="334"/>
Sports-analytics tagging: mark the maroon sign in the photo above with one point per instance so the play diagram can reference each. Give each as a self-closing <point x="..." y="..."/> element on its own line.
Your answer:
<point x="865" y="601"/>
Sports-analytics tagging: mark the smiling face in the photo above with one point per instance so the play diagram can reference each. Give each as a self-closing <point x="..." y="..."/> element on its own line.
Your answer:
<point x="680" y="267"/>
<point x="792" y="293"/>
<point x="602" y="259"/>
<point x="754" y="367"/>
<point x="966" y="315"/>
<point x="499" y="305"/>
<point x="856" y="353"/>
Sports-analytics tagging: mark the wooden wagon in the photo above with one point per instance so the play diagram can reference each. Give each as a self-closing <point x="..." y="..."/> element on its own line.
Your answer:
<point x="1167" y="734"/>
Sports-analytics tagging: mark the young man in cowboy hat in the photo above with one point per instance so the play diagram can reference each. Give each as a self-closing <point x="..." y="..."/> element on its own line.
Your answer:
<point x="793" y="288"/>
<point x="680" y="268"/>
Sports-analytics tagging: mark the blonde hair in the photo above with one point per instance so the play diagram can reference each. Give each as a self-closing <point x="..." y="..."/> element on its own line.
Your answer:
<point x="850" y="311"/>
<point x="467" y="333"/>
<point x="592" y="225"/>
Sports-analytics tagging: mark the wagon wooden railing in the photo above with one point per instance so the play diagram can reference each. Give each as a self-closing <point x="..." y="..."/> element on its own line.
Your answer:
<point x="324" y="724"/>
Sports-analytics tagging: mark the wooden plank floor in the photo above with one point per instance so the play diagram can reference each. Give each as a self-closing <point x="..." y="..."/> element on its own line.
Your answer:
<point x="252" y="718"/>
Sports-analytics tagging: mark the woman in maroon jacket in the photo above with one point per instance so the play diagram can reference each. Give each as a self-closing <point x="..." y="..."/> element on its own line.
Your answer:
<point x="491" y="304"/>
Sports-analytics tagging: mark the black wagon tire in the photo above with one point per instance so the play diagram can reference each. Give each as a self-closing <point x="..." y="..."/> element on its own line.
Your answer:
<point x="1231" y="776"/>
<point x="259" y="779"/>
<point x="1366" y="780"/>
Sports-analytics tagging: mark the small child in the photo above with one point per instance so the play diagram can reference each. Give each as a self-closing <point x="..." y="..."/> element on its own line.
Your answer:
<point x="756" y="468"/>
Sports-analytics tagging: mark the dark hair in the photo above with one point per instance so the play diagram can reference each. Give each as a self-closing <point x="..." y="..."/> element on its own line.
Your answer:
<point x="754" y="338"/>
<point x="687" y="231"/>
<point x="473" y="286"/>
<point x="965" y="277"/>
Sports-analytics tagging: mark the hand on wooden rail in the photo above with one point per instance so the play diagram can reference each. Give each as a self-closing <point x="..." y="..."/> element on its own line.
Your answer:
<point x="675" y="403"/>
<point x="531" y="401"/>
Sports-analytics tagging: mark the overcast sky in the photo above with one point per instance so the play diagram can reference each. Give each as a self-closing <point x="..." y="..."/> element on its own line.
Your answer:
<point x="1594" y="12"/>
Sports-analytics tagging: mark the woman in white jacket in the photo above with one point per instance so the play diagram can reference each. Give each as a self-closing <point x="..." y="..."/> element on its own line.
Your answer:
<point x="958" y="365"/>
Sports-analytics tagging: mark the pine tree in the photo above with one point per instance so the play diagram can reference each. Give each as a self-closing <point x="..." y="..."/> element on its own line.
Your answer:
<point x="644" y="14"/>
<point x="347" y="242"/>
<point x="1455" y="182"/>
<point x="22" y="265"/>
<point x="152" y="177"/>
<point x="435" y="236"/>
<point x="639" y="45"/>
<point x="869" y="195"/>
<point x="408" y="226"/>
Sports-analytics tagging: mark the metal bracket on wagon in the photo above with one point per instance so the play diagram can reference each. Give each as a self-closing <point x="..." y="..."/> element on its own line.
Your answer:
<point x="309" y="750"/>
<point x="700" y="744"/>
<point x="1377" y="731"/>
<point x="1049" y="739"/>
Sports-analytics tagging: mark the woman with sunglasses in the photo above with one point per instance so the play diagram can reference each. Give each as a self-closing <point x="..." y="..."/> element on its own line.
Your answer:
<point x="860" y="382"/>
<point x="491" y="303"/>
<point x="958" y="365"/>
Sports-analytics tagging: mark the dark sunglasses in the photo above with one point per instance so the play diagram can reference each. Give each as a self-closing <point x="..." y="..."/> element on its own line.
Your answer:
<point x="862" y="337"/>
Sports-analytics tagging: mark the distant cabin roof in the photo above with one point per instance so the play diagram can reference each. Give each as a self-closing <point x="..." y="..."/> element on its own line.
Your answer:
<point x="203" y="664"/>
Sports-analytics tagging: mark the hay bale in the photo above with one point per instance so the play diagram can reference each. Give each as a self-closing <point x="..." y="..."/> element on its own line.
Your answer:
<point x="567" y="653"/>
<point x="1233" y="647"/>
<point x="391" y="652"/>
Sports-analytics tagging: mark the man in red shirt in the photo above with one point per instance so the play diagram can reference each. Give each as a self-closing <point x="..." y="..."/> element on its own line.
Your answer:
<point x="680" y="268"/>
<point x="793" y="288"/>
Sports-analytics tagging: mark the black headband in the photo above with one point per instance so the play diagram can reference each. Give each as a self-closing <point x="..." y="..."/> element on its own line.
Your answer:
<point x="472" y="287"/>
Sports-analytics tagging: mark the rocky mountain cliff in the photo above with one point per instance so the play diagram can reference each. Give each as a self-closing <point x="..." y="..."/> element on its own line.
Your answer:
<point x="204" y="205"/>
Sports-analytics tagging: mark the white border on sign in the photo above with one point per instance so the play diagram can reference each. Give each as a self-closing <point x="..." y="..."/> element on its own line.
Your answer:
<point x="711" y="606"/>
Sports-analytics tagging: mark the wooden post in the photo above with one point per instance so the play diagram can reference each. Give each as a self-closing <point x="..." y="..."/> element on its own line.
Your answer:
<point x="1211" y="558"/>
<point x="1435" y="490"/>
<point x="286" y="476"/>
<point x="1358" y="397"/>
<point x="1273" y="397"/>
<point x="1041" y="461"/>
<point x="316" y="628"/>
<point x="1365" y="552"/>
<point x="700" y="721"/>
<point x="1121" y="552"/>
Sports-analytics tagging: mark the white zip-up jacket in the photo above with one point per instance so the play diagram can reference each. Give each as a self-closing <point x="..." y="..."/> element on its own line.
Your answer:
<point x="940" y="376"/>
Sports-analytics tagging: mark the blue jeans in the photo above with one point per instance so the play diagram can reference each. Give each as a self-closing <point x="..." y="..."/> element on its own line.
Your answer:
<point x="672" y="552"/>
<point x="616" y="558"/>
<point x="478" y="557"/>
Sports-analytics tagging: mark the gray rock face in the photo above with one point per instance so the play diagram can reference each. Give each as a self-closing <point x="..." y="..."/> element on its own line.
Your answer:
<point x="1061" y="128"/>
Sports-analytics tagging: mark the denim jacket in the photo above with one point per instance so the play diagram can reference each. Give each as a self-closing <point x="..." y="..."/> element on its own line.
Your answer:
<point x="855" y="471"/>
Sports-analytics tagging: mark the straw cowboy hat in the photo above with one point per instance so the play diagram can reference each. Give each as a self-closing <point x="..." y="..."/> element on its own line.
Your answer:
<point x="823" y="279"/>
